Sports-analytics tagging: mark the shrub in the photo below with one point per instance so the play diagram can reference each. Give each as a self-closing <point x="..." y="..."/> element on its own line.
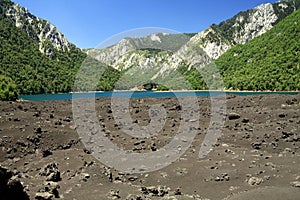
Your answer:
<point x="8" y="89"/>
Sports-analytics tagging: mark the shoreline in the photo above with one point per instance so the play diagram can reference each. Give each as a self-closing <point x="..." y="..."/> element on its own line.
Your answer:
<point x="146" y="94"/>
<point x="227" y="91"/>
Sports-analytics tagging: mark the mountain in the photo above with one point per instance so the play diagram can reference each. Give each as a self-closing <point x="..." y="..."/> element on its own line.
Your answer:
<point x="42" y="31"/>
<point x="243" y="27"/>
<point x="156" y="59"/>
<point x="35" y="56"/>
<point x="38" y="59"/>
<point x="268" y="62"/>
<point x="160" y="41"/>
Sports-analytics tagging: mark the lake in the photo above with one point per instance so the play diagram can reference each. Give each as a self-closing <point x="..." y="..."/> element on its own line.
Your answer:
<point x="140" y="94"/>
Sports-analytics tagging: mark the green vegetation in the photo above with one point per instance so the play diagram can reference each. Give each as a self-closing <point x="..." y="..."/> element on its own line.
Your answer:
<point x="8" y="91"/>
<point x="162" y="88"/>
<point x="292" y="6"/>
<point x="32" y="71"/>
<point x="234" y="25"/>
<point x="194" y="77"/>
<point x="269" y="62"/>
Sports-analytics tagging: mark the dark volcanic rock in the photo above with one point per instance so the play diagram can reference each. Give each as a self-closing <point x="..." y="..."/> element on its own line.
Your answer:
<point x="245" y="120"/>
<point x="51" y="172"/>
<point x="233" y="116"/>
<point x="47" y="152"/>
<point x="160" y="191"/>
<point x="11" y="188"/>
<point x="38" y="130"/>
<point x="282" y="115"/>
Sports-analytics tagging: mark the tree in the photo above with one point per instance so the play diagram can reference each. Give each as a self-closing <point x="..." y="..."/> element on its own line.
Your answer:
<point x="8" y="89"/>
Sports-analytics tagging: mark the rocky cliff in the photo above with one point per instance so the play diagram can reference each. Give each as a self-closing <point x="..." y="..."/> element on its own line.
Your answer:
<point x="45" y="33"/>
<point x="203" y="47"/>
<point x="34" y="55"/>
<point x="160" y="41"/>
<point x="243" y="27"/>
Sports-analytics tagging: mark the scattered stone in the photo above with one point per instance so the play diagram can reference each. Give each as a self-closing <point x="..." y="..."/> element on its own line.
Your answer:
<point x="153" y="147"/>
<point x="21" y="143"/>
<point x="51" y="172"/>
<point x="110" y="178"/>
<point x="296" y="184"/>
<point x="17" y="120"/>
<point x="34" y="139"/>
<point x="256" y="145"/>
<point x="44" y="196"/>
<point x="47" y="153"/>
<point x="134" y="197"/>
<point x="133" y="178"/>
<point x="233" y="116"/>
<point x="222" y="177"/>
<point x="53" y="188"/>
<point x="177" y="107"/>
<point x="255" y="181"/>
<point x="282" y="115"/>
<point x="87" y="151"/>
<point x="38" y="130"/>
<point x="245" y="120"/>
<point x="37" y="114"/>
<point x="291" y="102"/>
<point x="67" y="119"/>
<point x="178" y="192"/>
<point x="85" y="176"/>
<point x="50" y="190"/>
<point x="160" y="191"/>
<point x="286" y="134"/>
<point x="114" y="194"/>
<point x="58" y="123"/>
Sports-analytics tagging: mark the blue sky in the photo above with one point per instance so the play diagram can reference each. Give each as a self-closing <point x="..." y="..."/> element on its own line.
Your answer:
<point x="87" y="23"/>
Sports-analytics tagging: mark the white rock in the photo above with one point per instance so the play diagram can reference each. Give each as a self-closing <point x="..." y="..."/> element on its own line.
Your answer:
<point x="296" y="184"/>
<point x="255" y="181"/>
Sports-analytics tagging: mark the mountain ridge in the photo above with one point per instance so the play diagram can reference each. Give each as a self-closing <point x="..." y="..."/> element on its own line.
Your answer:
<point x="270" y="62"/>
<point x="41" y="30"/>
<point x="206" y="46"/>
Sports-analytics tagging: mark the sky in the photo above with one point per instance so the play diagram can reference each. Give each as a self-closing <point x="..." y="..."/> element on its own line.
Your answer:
<point x="88" y="23"/>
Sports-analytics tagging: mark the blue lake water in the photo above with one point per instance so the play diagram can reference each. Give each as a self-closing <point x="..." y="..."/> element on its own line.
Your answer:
<point x="140" y="94"/>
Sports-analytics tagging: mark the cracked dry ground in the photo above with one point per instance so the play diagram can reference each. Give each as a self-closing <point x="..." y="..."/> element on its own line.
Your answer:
<point x="257" y="156"/>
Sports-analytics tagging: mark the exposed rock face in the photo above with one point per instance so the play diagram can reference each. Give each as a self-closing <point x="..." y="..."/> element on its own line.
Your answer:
<point x="260" y="21"/>
<point x="213" y="47"/>
<point x="41" y="30"/>
<point x="113" y="55"/>
<point x="200" y="49"/>
<point x="240" y="29"/>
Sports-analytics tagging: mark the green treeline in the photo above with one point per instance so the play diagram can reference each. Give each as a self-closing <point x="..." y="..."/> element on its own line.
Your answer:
<point x="31" y="71"/>
<point x="268" y="62"/>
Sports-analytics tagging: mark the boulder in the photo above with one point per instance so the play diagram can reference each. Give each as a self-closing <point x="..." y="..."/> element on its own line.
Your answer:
<point x="10" y="186"/>
<point x="233" y="116"/>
